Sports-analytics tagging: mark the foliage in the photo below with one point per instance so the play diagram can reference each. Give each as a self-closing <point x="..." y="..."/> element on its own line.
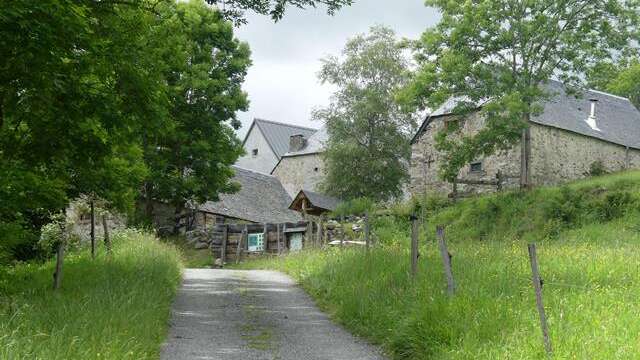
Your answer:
<point x="619" y="79"/>
<point x="190" y="157"/>
<point x="357" y="206"/>
<point x="234" y="10"/>
<point x="368" y="132"/>
<point x="498" y="54"/>
<point x="589" y="289"/>
<point x="103" y="308"/>
<point x="597" y="168"/>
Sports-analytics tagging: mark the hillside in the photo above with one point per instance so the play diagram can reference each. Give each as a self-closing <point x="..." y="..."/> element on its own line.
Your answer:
<point x="588" y="237"/>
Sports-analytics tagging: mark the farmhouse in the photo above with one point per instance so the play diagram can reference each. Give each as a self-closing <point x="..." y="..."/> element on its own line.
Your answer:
<point x="569" y="138"/>
<point x="266" y="142"/>
<point x="302" y="167"/>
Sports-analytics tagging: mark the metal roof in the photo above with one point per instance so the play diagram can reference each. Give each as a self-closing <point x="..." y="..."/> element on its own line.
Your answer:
<point x="617" y="118"/>
<point x="277" y="134"/>
<point x="261" y="199"/>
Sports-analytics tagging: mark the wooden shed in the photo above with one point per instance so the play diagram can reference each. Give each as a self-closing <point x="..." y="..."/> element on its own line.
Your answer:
<point x="313" y="203"/>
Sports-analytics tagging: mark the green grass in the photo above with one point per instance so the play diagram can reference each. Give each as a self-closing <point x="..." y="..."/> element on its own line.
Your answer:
<point x="192" y="258"/>
<point x="109" y="308"/>
<point x="588" y="236"/>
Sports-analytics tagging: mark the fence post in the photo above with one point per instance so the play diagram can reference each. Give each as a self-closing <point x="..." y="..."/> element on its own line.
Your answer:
<point x="225" y="238"/>
<point x="93" y="230"/>
<point x="537" y="285"/>
<point x="367" y="230"/>
<point x="105" y="228"/>
<point x="414" y="245"/>
<point x="239" y="249"/>
<point x="278" y="237"/>
<point x="446" y="261"/>
<point x="265" y="238"/>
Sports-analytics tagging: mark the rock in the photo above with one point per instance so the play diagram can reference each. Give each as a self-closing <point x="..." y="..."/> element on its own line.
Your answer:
<point x="201" y="245"/>
<point x="218" y="263"/>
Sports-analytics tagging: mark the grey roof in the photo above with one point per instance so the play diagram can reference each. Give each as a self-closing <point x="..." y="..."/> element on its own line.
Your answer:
<point x="278" y="134"/>
<point x="321" y="201"/>
<point x="315" y="144"/>
<point x="617" y="119"/>
<point x="261" y="199"/>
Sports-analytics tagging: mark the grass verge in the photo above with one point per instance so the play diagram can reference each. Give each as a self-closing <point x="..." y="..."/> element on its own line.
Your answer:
<point x="113" y="307"/>
<point x="588" y="237"/>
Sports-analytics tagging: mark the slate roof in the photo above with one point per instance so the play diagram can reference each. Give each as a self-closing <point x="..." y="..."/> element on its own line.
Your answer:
<point x="261" y="199"/>
<point x="317" y="200"/>
<point x="277" y="134"/>
<point x="617" y="118"/>
<point x="315" y="144"/>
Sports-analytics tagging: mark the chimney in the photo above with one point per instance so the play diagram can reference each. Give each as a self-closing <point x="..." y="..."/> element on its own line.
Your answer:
<point x="591" y="120"/>
<point x="297" y="142"/>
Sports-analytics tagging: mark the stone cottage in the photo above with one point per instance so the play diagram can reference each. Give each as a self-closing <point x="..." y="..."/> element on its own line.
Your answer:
<point x="567" y="139"/>
<point x="266" y="142"/>
<point x="302" y="167"/>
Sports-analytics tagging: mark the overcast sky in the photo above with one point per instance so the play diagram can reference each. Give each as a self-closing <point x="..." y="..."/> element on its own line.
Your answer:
<point x="282" y="83"/>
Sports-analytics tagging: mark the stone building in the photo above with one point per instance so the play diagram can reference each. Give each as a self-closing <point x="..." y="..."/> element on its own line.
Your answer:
<point x="302" y="167"/>
<point x="266" y="142"/>
<point x="568" y="138"/>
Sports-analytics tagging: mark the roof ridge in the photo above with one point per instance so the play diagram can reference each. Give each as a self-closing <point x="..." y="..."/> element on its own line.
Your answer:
<point x="608" y="94"/>
<point x="284" y="124"/>
<point x="252" y="171"/>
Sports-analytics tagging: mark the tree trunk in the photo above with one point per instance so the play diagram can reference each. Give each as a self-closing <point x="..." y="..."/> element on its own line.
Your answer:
<point x="148" y="208"/>
<point x="105" y="227"/>
<point x="93" y="230"/>
<point x="176" y="226"/>
<point x="525" y="157"/>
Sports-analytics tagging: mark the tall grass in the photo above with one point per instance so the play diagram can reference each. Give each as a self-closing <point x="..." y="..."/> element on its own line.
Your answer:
<point x="113" y="307"/>
<point x="588" y="236"/>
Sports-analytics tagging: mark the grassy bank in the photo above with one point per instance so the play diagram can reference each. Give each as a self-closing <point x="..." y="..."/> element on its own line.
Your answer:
<point x="588" y="236"/>
<point x="112" y="307"/>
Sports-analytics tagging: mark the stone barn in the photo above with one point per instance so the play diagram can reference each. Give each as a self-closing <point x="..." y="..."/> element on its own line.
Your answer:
<point x="568" y="139"/>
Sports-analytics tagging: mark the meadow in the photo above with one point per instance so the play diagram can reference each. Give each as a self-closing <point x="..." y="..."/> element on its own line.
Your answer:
<point x="588" y="239"/>
<point x="113" y="307"/>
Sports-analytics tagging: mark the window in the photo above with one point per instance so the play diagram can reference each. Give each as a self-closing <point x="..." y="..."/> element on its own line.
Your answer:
<point x="256" y="242"/>
<point x="254" y="152"/>
<point x="475" y="167"/>
<point x="315" y="169"/>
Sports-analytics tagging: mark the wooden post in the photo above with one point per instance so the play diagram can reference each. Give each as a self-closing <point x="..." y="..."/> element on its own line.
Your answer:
<point x="278" y="237"/>
<point x="93" y="230"/>
<point x="446" y="261"/>
<point x="537" y="285"/>
<point x="265" y="238"/>
<point x="239" y="249"/>
<point x="57" y="275"/>
<point x="105" y="228"/>
<point x="225" y="239"/>
<point x="366" y="230"/>
<point x="414" y="245"/>
<point x="284" y="237"/>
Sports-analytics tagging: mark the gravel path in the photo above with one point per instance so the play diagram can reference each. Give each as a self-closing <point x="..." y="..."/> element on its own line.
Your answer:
<point x="246" y="315"/>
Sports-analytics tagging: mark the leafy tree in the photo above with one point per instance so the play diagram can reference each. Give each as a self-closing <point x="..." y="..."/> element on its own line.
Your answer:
<point x="500" y="53"/>
<point x="235" y="9"/>
<point x="190" y="156"/>
<point x="618" y="79"/>
<point x="368" y="149"/>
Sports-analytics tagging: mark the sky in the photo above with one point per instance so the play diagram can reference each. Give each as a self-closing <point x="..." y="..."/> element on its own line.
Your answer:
<point x="282" y="83"/>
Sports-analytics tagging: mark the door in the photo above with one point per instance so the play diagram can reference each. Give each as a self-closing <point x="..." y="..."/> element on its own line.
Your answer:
<point x="295" y="242"/>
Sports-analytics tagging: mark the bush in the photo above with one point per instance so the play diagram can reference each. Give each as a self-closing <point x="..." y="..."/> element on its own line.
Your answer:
<point x="16" y="242"/>
<point x="597" y="169"/>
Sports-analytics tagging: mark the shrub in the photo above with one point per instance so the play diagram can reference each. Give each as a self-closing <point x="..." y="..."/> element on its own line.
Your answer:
<point x="597" y="169"/>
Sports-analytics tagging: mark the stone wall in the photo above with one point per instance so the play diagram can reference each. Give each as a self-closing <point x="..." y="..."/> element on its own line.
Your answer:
<point x="557" y="156"/>
<point x="300" y="172"/>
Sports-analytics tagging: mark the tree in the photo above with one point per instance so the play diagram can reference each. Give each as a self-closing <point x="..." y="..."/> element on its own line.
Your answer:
<point x="190" y="156"/>
<point x="498" y="54"/>
<point x="618" y="79"/>
<point x="234" y="10"/>
<point x="368" y="148"/>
